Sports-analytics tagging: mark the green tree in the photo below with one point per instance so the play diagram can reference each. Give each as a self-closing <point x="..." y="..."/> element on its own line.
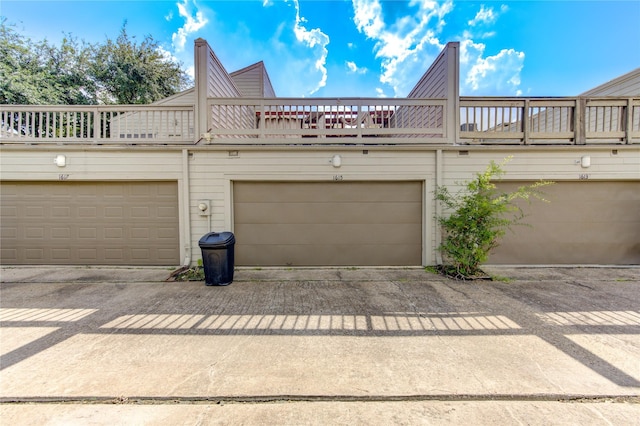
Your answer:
<point x="131" y="73"/>
<point x="70" y="68"/>
<point x="23" y="79"/>
<point x="77" y="73"/>
<point x="479" y="217"/>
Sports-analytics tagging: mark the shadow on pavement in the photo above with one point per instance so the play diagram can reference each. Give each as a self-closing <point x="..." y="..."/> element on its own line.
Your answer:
<point x="552" y="305"/>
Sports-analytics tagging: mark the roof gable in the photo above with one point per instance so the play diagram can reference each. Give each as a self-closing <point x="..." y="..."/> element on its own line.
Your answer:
<point x="253" y="81"/>
<point x="626" y="85"/>
<point x="186" y="97"/>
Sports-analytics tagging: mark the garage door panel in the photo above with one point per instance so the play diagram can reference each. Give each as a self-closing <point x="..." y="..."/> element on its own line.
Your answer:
<point x="88" y="255"/>
<point x="342" y="212"/>
<point x="90" y="223"/>
<point x="310" y="234"/>
<point x="328" y="254"/>
<point x="60" y="211"/>
<point x="9" y="253"/>
<point x="9" y="234"/>
<point x="264" y="192"/>
<point x="114" y="254"/>
<point x="8" y="211"/>
<point x="586" y="222"/>
<point x="33" y="254"/>
<point x="60" y="254"/>
<point x="113" y="233"/>
<point x="165" y="212"/>
<point x="318" y="223"/>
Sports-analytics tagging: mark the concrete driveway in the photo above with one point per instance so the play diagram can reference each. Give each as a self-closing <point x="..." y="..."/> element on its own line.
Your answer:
<point x="320" y="346"/>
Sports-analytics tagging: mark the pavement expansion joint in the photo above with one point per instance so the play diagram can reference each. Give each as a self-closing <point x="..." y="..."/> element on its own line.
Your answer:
<point x="266" y="399"/>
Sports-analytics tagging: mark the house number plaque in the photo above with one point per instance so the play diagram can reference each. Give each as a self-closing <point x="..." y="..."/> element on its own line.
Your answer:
<point x="338" y="177"/>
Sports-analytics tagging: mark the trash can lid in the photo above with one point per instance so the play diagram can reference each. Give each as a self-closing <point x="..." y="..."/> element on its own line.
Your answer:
<point x="217" y="239"/>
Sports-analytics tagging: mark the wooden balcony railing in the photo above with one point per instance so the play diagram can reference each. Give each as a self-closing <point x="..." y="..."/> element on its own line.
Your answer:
<point x="117" y="124"/>
<point x="243" y="119"/>
<point x="559" y="121"/>
<point x="555" y="121"/>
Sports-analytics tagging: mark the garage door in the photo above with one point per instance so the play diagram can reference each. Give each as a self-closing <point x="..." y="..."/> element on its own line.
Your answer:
<point x="328" y="223"/>
<point x="97" y="223"/>
<point x="586" y="222"/>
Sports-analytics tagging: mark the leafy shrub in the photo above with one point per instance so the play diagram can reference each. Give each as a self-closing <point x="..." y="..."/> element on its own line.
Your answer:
<point x="195" y="273"/>
<point x="480" y="216"/>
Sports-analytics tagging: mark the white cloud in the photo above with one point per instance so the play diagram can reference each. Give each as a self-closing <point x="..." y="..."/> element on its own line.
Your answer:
<point x="368" y="17"/>
<point x="170" y="57"/>
<point x="408" y="46"/>
<point x="314" y="39"/>
<point x="166" y="55"/>
<point x="485" y="16"/>
<point x="353" y="68"/>
<point x="380" y="92"/>
<point x="191" y="72"/>
<point x="496" y="74"/>
<point x="193" y="22"/>
<point x="470" y="51"/>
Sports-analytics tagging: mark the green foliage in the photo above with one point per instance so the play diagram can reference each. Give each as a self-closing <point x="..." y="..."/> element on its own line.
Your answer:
<point x="501" y="278"/>
<point x="479" y="217"/>
<point x="194" y="273"/>
<point x="432" y="269"/>
<point x="79" y="73"/>
<point x="24" y="79"/>
<point x="132" y="73"/>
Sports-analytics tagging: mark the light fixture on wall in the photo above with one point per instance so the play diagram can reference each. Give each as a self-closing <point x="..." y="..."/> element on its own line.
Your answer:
<point x="336" y="161"/>
<point x="585" y="161"/>
<point x="60" y="160"/>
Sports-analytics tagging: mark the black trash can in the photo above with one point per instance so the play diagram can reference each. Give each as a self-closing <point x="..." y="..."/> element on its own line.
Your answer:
<point x="217" y="257"/>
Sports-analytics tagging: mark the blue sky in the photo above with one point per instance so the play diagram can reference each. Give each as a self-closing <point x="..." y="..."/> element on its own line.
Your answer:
<point x="370" y="48"/>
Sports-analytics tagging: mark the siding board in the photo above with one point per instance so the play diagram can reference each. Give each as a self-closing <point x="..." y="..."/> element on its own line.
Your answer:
<point x="625" y="85"/>
<point x="211" y="171"/>
<point x="253" y="81"/>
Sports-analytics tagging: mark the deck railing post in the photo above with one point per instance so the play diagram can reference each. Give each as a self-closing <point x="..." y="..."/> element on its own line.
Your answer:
<point x="629" y="121"/>
<point x="262" y="122"/>
<point x="525" y="122"/>
<point x="96" y="125"/>
<point x="359" y="114"/>
<point x="580" y="129"/>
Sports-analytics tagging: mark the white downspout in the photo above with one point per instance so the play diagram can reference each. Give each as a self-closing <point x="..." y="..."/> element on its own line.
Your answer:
<point x="186" y="209"/>
<point x="439" y="178"/>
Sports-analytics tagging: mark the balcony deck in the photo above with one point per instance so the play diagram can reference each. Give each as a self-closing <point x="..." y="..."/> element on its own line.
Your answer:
<point x="551" y="121"/>
<point x="264" y="121"/>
